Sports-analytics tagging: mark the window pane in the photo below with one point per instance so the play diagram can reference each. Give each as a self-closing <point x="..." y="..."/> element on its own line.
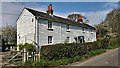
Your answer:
<point x="67" y="27"/>
<point x="49" y="24"/>
<point x="67" y="39"/>
<point x="83" y="29"/>
<point x="49" y="39"/>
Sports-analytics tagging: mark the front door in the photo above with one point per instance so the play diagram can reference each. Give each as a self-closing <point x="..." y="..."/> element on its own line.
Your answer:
<point x="81" y="39"/>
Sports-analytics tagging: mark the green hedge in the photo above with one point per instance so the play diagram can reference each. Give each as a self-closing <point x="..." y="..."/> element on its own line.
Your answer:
<point x="69" y="50"/>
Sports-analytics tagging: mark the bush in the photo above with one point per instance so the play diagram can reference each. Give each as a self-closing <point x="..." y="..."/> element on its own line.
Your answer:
<point x="29" y="47"/>
<point x="69" y="50"/>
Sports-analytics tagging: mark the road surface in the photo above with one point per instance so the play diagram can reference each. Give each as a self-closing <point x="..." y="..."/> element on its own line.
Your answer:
<point x="109" y="58"/>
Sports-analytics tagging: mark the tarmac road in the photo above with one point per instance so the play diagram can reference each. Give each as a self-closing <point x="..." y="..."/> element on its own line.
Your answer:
<point x="110" y="58"/>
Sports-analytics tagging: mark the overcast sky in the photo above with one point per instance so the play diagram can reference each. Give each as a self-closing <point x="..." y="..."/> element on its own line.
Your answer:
<point x="94" y="11"/>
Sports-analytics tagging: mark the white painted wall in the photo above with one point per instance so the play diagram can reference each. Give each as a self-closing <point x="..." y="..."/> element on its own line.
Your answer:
<point x="25" y="27"/>
<point x="44" y="33"/>
<point x="60" y="33"/>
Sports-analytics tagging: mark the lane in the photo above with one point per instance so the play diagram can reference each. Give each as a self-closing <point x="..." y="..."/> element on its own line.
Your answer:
<point x="109" y="58"/>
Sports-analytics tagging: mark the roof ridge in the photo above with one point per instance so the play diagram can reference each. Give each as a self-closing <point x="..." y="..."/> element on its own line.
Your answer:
<point x="34" y="10"/>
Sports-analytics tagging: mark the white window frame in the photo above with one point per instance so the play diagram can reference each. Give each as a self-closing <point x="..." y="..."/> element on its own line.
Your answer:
<point x="50" y="25"/>
<point x="67" y="27"/>
<point x="83" y="29"/>
<point x="50" y="39"/>
<point x="67" y="39"/>
<point x="92" y="31"/>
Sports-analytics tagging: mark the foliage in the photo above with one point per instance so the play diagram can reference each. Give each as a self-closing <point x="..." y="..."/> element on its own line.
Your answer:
<point x="101" y="31"/>
<point x="29" y="47"/>
<point x="44" y="63"/>
<point x="3" y="45"/>
<point x="41" y="63"/>
<point x="69" y="50"/>
<point x="113" y="46"/>
<point x="21" y="46"/>
<point x="95" y="52"/>
<point x="59" y="52"/>
<point x="110" y="26"/>
<point x="75" y="17"/>
<point x="10" y="33"/>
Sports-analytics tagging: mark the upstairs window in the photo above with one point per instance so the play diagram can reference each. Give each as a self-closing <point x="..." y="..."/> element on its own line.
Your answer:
<point x="92" y="31"/>
<point x="49" y="25"/>
<point x="50" y="39"/>
<point x="68" y="28"/>
<point x="83" y="30"/>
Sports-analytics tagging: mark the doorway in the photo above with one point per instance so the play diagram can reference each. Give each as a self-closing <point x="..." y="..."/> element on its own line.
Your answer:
<point x="81" y="39"/>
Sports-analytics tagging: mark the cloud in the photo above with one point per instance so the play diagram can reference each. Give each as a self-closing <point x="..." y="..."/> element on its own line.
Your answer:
<point x="93" y="17"/>
<point x="11" y="11"/>
<point x="11" y="7"/>
<point x="111" y="5"/>
<point x="63" y="15"/>
<point x="96" y="17"/>
<point x="36" y="6"/>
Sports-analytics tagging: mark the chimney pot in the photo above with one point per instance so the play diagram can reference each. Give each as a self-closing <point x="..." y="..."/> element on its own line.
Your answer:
<point x="50" y="11"/>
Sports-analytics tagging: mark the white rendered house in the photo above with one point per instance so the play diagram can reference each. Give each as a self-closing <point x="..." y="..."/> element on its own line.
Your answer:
<point x="47" y="29"/>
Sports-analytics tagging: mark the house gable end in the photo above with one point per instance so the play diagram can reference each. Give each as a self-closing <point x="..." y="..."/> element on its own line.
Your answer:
<point x="23" y="13"/>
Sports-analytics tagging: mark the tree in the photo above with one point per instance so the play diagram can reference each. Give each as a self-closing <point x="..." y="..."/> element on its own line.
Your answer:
<point x="101" y="31"/>
<point x="10" y="33"/>
<point x="74" y="16"/>
<point x="9" y="36"/>
<point x="110" y="26"/>
<point x="77" y="17"/>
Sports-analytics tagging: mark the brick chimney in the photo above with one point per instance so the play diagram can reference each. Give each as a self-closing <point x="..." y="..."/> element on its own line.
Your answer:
<point x="80" y="19"/>
<point x="50" y="11"/>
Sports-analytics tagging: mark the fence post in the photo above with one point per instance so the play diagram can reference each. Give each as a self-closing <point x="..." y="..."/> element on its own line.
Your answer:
<point x="27" y="55"/>
<point x="24" y="55"/>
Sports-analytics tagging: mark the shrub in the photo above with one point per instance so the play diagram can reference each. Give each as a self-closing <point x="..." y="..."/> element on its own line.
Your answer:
<point x="29" y="47"/>
<point x="105" y="42"/>
<point x="69" y="50"/>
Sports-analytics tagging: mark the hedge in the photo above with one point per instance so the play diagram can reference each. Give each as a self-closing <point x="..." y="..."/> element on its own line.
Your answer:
<point x="69" y="50"/>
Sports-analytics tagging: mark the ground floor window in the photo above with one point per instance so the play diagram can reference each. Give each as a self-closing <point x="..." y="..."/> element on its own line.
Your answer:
<point x="68" y="39"/>
<point x="50" y="39"/>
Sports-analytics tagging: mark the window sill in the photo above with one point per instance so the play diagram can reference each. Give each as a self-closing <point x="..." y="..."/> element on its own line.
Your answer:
<point x="68" y="31"/>
<point x="91" y="32"/>
<point x="49" y="43"/>
<point x="51" y="29"/>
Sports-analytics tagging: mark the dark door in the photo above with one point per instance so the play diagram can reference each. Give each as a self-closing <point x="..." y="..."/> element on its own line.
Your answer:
<point x="81" y="39"/>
